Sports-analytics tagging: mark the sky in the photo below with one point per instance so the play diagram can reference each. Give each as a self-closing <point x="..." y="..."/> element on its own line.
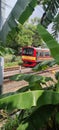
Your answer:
<point x="38" y="11"/>
<point x="9" y="6"/>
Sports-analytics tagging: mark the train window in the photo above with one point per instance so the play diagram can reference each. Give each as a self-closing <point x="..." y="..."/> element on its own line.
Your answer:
<point x="47" y="54"/>
<point x="28" y="51"/>
<point x="39" y="53"/>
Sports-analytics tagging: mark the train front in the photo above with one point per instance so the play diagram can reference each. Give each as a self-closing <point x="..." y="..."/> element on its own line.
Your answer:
<point x="29" y="56"/>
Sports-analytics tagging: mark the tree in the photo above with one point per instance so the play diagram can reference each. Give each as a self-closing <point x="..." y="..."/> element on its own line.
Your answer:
<point x="19" y="37"/>
<point x="55" y="27"/>
<point x="24" y="35"/>
<point x="51" y="15"/>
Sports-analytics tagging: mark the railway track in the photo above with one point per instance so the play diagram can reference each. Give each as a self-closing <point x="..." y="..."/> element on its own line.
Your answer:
<point x="12" y="86"/>
<point x="12" y="68"/>
<point x="12" y="71"/>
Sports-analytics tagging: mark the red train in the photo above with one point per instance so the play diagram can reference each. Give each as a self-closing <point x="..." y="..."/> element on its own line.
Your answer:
<point x="31" y="56"/>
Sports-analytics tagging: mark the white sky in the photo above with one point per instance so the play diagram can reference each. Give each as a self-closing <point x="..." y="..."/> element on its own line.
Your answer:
<point x="38" y="11"/>
<point x="9" y="6"/>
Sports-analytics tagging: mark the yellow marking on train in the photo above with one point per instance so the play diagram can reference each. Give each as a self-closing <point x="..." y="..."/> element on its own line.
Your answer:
<point x="28" y="58"/>
<point x="40" y="59"/>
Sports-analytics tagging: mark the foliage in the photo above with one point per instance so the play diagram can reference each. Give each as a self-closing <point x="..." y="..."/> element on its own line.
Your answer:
<point x="51" y="15"/>
<point x="4" y="51"/>
<point x="12" y="60"/>
<point x="51" y="8"/>
<point x="39" y="101"/>
<point x="35" y="21"/>
<point x="55" y="27"/>
<point x="11" y="125"/>
<point x="50" y="41"/>
<point x="20" y="12"/>
<point x="8" y="58"/>
<point x="10" y="64"/>
<point x="44" y="65"/>
<point x="23" y="35"/>
<point x="35" y="98"/>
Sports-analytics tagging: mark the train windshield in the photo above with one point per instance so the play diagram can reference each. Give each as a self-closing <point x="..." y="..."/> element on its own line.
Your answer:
<point x="28" y="51"/>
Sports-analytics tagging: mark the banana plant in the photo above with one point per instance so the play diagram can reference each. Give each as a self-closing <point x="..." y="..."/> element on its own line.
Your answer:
<point x="35" y="81"/>
<point x="30" y="114"/>
<point x="50" y="41"/>
<point x="44" y="65"/>
<point x="20" y="13"/>
<point x="32" y="99"/>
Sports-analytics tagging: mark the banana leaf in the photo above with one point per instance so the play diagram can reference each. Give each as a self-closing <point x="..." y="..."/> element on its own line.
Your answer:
<point x="21" y="11"/>
<point x="26" y="126"/>
<point x="57" y="75"/>
<point x="37" y="118"/>
<point x="27" y="77"/>
<point x="44" y="65"/>
<point x="50" y="41"/>
<point x="29" y="99"/>
<point x="31" y="78"/>
<point x="57" y="117"/>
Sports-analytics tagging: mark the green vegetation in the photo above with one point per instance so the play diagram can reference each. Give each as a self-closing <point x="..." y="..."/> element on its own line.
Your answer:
<point x="23" y="35"/>
<point x="12" y="125"/>
<point x="50" y="15"/>
<point x="12" y="60"/>
<point x="39" y="106"/>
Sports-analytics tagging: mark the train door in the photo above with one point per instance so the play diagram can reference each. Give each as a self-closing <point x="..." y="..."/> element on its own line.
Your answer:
<point x="39" y="56"/>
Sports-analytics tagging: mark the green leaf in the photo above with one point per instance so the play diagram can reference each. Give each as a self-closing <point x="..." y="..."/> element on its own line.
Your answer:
<point x="28" y="99"/>
<point x="37" y="118"/>
<point x="28" y="11"/>
<point x="51" y="10"/>
<point x="9" y="51"/>
<point x="21" y="11"/>
<point x="41" y="115"/>
<point x="30" y="78"/>
<point x="50" y="41"/>
<point x="57" y="117"/>
<point x="44" y="65"/>
<point x="57" y="75"/>
<point x="25" y="126"/>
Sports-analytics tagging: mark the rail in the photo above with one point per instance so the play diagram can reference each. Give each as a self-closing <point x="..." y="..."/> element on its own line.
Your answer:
<point x="7" y="75"/>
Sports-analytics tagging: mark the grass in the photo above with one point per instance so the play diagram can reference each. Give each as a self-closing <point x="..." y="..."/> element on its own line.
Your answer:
<point x="10" y="61"/>
<point x="10" y="64"/>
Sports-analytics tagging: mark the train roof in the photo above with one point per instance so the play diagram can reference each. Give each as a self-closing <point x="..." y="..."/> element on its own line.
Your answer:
<point x="43" y="49"/>
<point x="38" y="48"/>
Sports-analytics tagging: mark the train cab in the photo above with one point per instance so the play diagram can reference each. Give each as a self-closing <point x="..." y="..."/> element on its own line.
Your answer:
<point x="32" y="56"/>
